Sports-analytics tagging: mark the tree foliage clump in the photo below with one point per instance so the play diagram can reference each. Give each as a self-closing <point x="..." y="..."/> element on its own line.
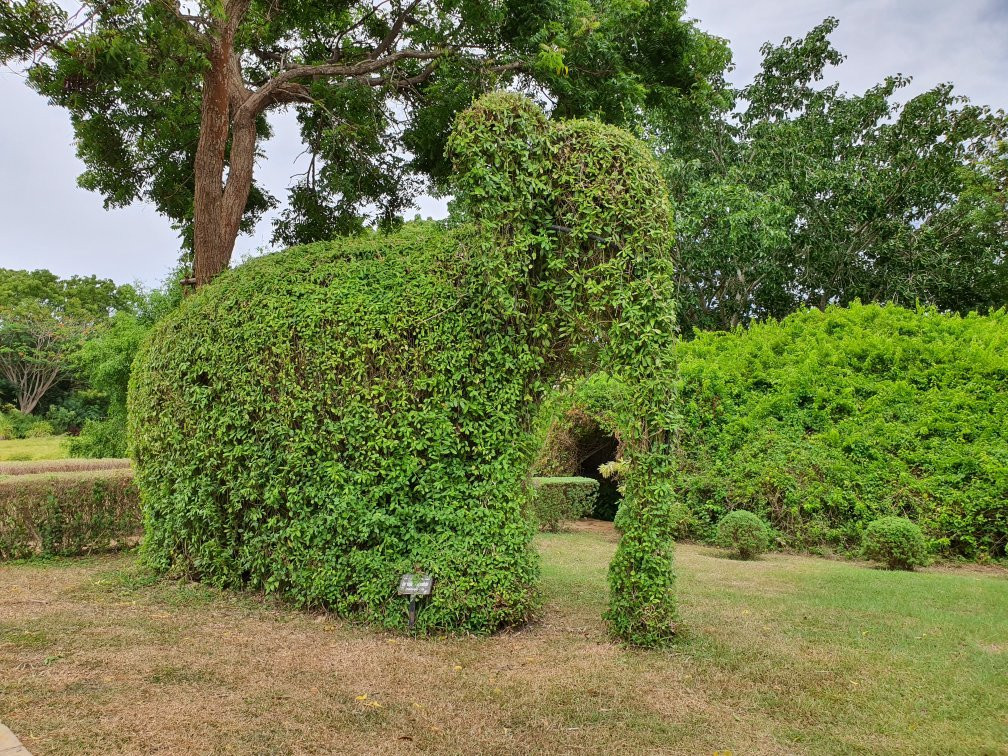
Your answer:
<point x="798" y="194"/>
<point x="169" y="100"/>
<point x="824" y="421"/>
<point x="319" y="421"/>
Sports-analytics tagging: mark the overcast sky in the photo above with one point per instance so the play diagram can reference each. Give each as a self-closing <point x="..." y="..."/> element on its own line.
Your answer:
<point x="47" y="222"/>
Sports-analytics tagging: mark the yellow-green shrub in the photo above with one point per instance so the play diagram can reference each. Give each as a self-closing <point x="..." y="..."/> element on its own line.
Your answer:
<point x="744" y="533"/>
<point x="829" y="419"/>
<point x="896" y="542"/>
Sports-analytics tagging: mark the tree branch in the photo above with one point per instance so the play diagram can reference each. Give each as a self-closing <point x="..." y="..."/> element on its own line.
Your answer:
<point x="394" y="31"/>
<point x="267" y="93"/>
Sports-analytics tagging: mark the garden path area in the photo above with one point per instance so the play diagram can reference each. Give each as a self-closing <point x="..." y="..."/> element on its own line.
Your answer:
<point x="788" y="654"/>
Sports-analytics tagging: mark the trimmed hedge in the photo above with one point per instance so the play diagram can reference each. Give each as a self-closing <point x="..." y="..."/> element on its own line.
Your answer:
<point x="68" y="513"/>
<point x="829" y="419"/>
<point x="744" y="533"/>
<point x="556" y="499"/>
<point x="896" y="542"/>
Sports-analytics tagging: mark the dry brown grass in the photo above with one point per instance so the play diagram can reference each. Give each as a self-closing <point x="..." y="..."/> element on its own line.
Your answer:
<point x="96" y="656"/>
<point x="61" y="466"/>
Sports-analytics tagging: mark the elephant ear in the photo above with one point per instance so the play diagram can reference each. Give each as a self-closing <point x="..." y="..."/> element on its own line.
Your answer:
<point x="500" y="152"/>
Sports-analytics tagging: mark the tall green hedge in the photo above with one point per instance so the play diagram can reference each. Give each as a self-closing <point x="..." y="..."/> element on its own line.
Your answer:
<point x="826" y="420"/>
<point x="321" y="420"/>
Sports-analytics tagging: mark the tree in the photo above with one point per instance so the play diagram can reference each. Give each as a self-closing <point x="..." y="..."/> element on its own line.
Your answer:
<point x="168" y="99"/>
<point x="799" y="195"/>
<point x="35" y="350"/>
<point x="43" y="320"/>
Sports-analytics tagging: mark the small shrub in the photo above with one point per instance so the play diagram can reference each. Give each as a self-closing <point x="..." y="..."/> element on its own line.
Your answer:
<point x="68" y="513"/>
<point x="15" y="424"/>
<point x="895" y="541"/>
<point x="41" y="429"/>
<point x="99" y="439"/>
<point x="743" y="532"/>
<point x="556" y="499"/>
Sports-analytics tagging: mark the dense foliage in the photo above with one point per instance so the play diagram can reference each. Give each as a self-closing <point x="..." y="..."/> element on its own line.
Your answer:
<point x="67" y="513"/>
<point x="744" y="533"/>
<point x="169" y="102"/>
<point x="557" y="499"/>
<point x="319" y="421"/>
<point x="896" y="542"/>
<point x="796" y="193"/>
<point x="829" y="419"/>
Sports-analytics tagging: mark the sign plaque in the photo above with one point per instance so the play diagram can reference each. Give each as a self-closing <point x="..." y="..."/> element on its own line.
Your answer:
<point x="415" y="585"/>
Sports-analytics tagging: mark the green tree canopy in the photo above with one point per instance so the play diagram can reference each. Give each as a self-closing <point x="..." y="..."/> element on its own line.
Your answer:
<point x="798" y="194"/>
<point x="168" y="99"/>
<point x="43" y="320"/>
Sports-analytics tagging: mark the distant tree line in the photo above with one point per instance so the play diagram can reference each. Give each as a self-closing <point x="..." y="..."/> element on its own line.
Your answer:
<point x="790" y="193"/>
<point x="66" y="349"/>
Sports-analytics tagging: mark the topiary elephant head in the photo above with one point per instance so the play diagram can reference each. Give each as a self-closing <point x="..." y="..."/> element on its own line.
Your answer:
<point x="319" y="421"/>
<point x="574" y="216"/>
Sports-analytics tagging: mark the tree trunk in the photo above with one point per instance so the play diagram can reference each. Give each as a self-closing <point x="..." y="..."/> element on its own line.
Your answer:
<point x="218" y="206"/>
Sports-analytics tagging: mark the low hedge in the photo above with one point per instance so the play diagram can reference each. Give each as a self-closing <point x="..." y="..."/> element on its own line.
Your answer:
<point x="68" y="513"/>
<point x="556" y="499"/>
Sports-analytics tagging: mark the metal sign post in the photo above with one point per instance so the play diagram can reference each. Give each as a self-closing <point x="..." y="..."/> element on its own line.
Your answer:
<point x="415" y="585"/>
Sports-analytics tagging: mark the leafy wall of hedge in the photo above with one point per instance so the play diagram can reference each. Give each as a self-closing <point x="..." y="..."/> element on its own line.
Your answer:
<point x="68" y="513"/>
<point x="826" y="420"/>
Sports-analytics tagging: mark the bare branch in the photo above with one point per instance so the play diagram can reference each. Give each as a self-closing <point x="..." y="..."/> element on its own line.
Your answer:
<point x="386" y="44"/>
<point x="267" y="93"/>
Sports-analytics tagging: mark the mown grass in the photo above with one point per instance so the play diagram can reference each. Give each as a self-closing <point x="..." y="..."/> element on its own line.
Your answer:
<point x="29" y="449"/>
<point x="787" y="654"/>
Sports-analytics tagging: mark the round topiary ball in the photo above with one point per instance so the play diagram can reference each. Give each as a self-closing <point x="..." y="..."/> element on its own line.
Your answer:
<point x="743" y="532"/>
<point x="896" y="542"/>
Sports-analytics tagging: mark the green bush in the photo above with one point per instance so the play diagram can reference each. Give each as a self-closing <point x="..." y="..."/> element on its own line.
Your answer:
<point x="557" y="499"/>
<point x="896" y="542"/>
<point x="40" y="429"/>
<point x="99" y="439"/>
<point x="743" y="532"/>
<point x="7" y="431"/>
<point x="68" y="513"/>
<point x="319" y="421"/>
<point x="829" y="419"/>
<point x="16" y="424"/>
<point x="70" y="414"/>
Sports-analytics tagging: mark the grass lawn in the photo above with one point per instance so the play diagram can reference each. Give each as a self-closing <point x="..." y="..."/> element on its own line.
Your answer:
<point x="785" y="655"/>
<point x="26" y="449"/>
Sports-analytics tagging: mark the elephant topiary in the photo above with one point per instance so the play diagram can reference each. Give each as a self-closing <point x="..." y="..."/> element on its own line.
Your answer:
<point x="318" y="421"/>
